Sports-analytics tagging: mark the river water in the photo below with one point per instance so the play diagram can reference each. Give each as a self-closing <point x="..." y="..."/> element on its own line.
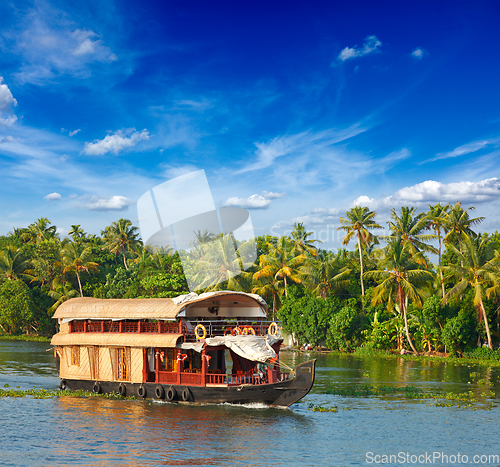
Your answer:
<point x="103" y="432"/>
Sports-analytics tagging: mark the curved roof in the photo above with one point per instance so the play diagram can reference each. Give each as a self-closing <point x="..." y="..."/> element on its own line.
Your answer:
<point x="148" y="308"/>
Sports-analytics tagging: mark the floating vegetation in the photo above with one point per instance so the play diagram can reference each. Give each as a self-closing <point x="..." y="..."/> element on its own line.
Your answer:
<point x="320" y="408"/>
<point x="410" y="392"/>
<point x="39" y="393"/>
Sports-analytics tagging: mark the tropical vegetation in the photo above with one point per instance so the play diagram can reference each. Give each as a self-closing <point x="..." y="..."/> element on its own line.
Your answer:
<point x="430" y="285"/>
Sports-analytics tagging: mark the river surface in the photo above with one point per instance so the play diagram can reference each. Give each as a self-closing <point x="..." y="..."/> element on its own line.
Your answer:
<point x="64" y="431"/>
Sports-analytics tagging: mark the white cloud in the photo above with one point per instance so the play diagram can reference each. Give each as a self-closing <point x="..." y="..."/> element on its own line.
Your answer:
<point x="53" y="196"/>
<point x="432" y="191"/>
<point x="74" y="132"/>
<point x="7" y="101"/>
<point x="418" y="53"/>
<point x="271" y="195"/>
<point x="115" y="203"/>
<point x="116" y="142"/>
<point x="466" y="149"/>
<point x="262" y="201"/>
<point x="371" y="45"/>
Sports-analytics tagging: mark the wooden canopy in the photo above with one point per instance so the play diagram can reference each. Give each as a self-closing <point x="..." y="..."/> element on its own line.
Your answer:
<point x="146" y="308"/>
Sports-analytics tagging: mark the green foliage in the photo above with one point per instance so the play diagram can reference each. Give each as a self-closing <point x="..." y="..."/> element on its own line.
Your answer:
<point x="460" y="333"/>
<point x="307" y="317"/>
<point x="16" y="307"/>
<point x="483" y="353"/>
<point x="346" y="328"/>
<point x="163" y="285"/>
<point x="123" y="284"/>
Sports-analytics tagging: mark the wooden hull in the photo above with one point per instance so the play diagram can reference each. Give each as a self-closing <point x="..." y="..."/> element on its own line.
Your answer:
<point x="281" y="394"/>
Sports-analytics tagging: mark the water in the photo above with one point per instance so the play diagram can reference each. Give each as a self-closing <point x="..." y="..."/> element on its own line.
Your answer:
<point x="100" y="432"/>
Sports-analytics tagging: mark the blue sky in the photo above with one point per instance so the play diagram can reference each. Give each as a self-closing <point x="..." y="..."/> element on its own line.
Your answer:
<point x="295" y="110"/>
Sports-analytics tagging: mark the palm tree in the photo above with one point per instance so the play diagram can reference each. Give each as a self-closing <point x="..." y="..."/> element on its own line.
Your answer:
<point x="217" y="263"/>
<point x="458" y="224"/>
<point x="402" y="277"/>
<point x="359" y="222"/>
<point x="63" y="291"/>
<point x="409" y="228"/>
<point x="77" y="232"/>
<point x="122" y="237"/>
<point x="436" y="218"/>
<point x="269" y="287"/>
<point x="478" y="269"/>
<point x="325" y="273"/>
<point x="39" y="231"/>
<point x="75" y="258"/>
<point x="282" y="262"/>
<point x="13" y="264"/>
<point x="301" y="241"/>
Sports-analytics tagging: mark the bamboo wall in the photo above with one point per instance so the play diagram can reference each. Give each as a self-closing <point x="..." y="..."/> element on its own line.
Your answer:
<point x="100" y="364"/>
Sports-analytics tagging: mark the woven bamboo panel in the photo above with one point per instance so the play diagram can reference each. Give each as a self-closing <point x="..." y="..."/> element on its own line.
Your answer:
<point x="105" y="368"/>
<point x="137" y="362"/>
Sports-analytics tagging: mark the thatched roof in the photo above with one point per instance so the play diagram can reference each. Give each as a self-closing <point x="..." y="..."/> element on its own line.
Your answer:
<point x="112" y="339"/>
<point x="148" y="308"/>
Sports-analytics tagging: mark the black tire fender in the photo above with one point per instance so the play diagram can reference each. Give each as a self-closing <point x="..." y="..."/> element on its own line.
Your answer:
<point x="97" y="388"/>
<point x="63" y="385"/>
<point x="141" y="391"/>
<point x="171" y="394"/>
<point x="186" y="395"/>
<point x="122" y="390"/>
<point x="159" y="392"/>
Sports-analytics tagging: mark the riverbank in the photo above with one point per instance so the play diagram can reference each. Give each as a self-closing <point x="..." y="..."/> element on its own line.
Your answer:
<point x="25" y="338"/>
<point x="462" y="361"/>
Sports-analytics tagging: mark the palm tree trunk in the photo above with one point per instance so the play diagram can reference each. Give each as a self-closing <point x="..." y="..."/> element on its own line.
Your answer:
<point x="79" y="283"/>
<point x="490" y="345"/>
<point x="284" y="277"/>
<point x="440" y="270"/>
<point x="274" y="305"/>
<point x="403" y="307"/>
<point x="361" y="264"/>
<point x="124" y="260"/>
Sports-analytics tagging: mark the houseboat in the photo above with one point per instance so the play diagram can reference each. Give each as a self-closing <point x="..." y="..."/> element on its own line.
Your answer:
<point x="175" y="349"/>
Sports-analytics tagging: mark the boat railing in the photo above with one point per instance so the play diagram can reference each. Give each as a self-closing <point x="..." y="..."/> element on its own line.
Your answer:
<point x="128" y="327"/>
<point x="213" y="328"/>
<point x="240" y="326"/>
<point x="236" y="380"/>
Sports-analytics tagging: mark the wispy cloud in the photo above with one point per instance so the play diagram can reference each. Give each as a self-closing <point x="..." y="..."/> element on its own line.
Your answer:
<point x="116" y="142"/>
<point x="371" y="45"/>
<point x="466" y="149"/>
<point x="51" y="45"/>
<point x="418" y="53"/>
<point x="262" y="201"/>
<point x="280" y="146"/>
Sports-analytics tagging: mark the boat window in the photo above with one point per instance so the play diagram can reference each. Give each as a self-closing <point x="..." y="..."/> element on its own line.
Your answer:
<point x="168" y="359"/>
<point x="75" y="355"/>
<point x="123" y="369"/>
<point x="192" y="364"/>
